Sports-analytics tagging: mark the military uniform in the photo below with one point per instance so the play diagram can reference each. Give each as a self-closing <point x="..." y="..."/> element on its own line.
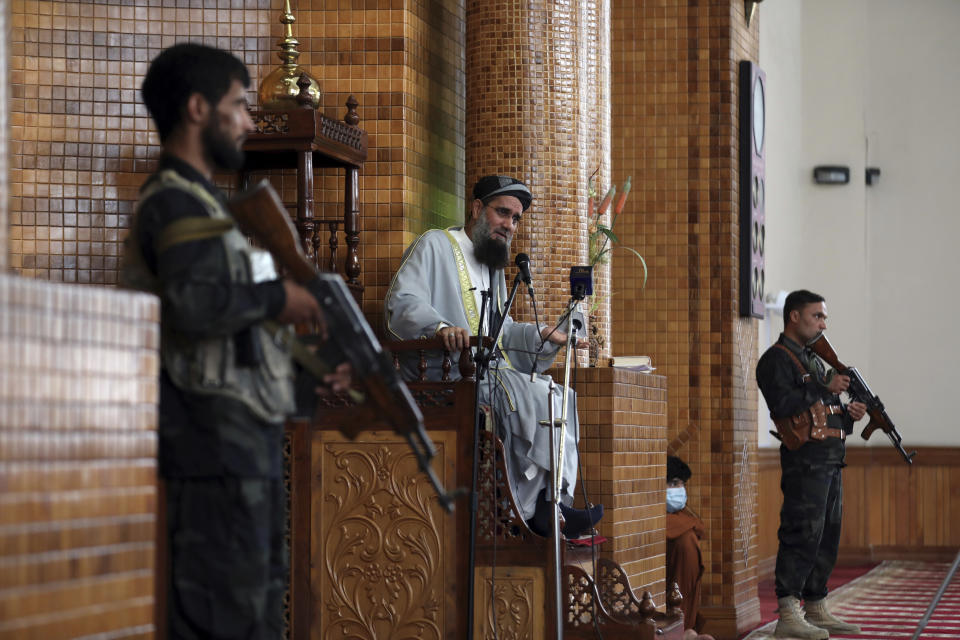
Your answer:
<point x="225" y="387"/>
<point x="811" y="482"/>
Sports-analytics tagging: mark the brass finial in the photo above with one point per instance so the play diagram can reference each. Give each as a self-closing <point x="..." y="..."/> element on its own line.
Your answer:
<point x="279" y="90"/>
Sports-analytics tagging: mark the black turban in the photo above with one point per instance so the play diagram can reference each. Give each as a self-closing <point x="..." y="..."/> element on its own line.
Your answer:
<point x="489" y="187"/>
<point x="677" y="468"/>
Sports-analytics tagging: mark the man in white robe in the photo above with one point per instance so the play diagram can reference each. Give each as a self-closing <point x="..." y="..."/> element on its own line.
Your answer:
<point x="436" y="292"/>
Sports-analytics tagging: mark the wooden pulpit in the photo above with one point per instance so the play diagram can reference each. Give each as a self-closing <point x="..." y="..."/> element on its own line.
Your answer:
<point x="304" y="139"/>
<point x="374" y="556"/>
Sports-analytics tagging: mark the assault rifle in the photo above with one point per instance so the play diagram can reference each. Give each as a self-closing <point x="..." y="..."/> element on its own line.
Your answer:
<point x="261" y="213"/>
<point x="860" y="392"/>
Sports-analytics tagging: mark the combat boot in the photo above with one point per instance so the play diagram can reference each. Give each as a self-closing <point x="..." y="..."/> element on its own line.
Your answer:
<point x="792" y="624"/>
<point x="818" y="615"/>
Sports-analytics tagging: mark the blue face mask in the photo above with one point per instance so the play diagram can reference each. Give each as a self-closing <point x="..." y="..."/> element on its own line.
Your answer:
<point x="676" y="499"/>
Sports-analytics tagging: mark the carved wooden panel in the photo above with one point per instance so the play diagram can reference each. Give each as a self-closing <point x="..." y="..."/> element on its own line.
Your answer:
<point x="380" y="543"/>
<point x="498" y="518"/>
<point x="518" y="607"/>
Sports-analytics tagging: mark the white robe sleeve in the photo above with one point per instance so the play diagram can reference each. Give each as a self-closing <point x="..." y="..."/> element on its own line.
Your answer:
<point x="521" y="341"/>
<point x="410" y="312"/>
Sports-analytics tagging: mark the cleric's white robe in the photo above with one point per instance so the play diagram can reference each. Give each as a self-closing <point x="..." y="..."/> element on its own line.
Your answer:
<point x="432" y="289"/>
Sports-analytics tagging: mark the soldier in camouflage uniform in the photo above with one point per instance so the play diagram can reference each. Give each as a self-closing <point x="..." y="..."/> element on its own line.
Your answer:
<point x="226" y="383"/>
<point x="792" y="379"/>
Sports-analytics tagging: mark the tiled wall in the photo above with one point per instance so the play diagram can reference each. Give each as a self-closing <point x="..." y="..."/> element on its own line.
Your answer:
<point x="404" y="64"/>
<point x="4" y="185"/>
<point x="537" y="110"/>
<point x="623" y="436"/>
<point x="82" y="143"/>
<point x="78" y="391"/>
<point x="674" y="128"/>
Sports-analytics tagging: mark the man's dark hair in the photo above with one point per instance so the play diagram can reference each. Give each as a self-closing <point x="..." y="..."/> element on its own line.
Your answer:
<point x="185" y="69"/>
<point x="798" y="300"/>
<point x="677" y="468"/>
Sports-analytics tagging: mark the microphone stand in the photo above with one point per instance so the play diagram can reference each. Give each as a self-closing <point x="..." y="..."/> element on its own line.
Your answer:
<point x="556" y="462"/>
<point x="572" y="328"/>
<point x="555" y="513"/>
<point x="503" y="318"/>
<point x="482" y="359"/>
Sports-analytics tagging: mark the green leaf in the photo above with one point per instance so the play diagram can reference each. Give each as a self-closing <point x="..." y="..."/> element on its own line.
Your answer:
<point x="607" y="232"/>
<point x="642" y="262"/>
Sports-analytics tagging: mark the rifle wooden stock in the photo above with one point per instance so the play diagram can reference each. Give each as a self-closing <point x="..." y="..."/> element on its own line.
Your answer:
<point x="262" y="215"/>
<point x="822" y="347"/>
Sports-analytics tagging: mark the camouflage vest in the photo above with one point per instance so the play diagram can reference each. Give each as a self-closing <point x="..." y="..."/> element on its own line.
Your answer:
<point x="209" y="366"/>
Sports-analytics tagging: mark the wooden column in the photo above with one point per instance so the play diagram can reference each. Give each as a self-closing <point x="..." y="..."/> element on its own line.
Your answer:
<point x="351" y="222"/>
<point x="305" y="221"/>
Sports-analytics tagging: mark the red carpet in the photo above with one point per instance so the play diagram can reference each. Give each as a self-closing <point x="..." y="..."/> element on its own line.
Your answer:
<point x="888" y="602"/>
<point x="768" y="599"/>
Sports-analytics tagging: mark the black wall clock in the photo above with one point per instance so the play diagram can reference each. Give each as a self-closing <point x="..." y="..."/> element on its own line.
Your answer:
<point x="752" y="188"/>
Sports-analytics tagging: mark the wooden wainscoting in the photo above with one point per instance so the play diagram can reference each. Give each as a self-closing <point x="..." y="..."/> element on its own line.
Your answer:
<point x="769" y="500"/>
<point x="890" y="509"/>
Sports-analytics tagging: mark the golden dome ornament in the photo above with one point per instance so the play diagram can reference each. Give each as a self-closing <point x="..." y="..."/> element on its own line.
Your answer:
<point x="280" y="90"/>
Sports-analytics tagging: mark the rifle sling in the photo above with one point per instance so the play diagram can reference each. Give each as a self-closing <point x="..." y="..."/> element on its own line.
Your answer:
<point x="796" y="360"/>
<point x="190" y="229"/>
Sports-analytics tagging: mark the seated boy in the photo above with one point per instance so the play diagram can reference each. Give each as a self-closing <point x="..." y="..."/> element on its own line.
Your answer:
<point x="684" y="561"/>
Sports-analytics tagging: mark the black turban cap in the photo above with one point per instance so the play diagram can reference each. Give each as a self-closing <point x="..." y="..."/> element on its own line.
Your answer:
<point x="489" y="187"/>
<point x="677" y="468"/>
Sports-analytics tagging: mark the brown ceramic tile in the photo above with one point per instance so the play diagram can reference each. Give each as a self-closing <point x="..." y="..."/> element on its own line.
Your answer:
<point x="78" y="374"/>
<point x="675" y="126"/>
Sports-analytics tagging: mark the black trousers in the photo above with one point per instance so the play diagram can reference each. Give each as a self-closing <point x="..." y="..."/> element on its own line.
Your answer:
<point x="810" y="522"/>
<point x="227" y="558"/>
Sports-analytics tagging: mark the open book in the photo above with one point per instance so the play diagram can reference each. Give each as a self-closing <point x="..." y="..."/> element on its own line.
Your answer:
<point x="636" y="363"/>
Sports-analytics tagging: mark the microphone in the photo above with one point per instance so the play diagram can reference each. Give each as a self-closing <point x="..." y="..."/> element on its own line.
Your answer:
<point x="581" y="282"/>
<point x="523" y="264"/>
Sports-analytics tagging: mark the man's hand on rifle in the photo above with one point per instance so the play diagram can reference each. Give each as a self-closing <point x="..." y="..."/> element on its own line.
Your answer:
<point x="839" y="383"/>
<point x="301" y="308"/>
<point x="337" y="381"/>
<point x="856" y="410"/>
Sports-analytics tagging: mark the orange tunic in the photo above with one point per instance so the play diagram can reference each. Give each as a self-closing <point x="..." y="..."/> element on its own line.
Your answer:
<point x="685" y="563"/>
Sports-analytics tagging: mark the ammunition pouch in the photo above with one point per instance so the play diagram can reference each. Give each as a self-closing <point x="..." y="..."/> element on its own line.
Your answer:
<point x="810" y="424"/>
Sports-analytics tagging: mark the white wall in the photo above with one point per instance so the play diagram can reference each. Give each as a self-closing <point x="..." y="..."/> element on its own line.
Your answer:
<point x="869" y="83"/>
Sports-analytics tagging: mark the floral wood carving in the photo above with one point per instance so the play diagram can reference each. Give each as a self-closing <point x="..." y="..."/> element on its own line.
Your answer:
<point x="581" y="601"/>
<point x="425" y="398"/>
<point x="497" y="515"/>
<point x="382" y="550"/>
<point x="271" y="122"/>
<point x="614" y="590"/>
<point x="336" y="400"/>
<point x="514" y="607"/>
<point x="433" y="398"/>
